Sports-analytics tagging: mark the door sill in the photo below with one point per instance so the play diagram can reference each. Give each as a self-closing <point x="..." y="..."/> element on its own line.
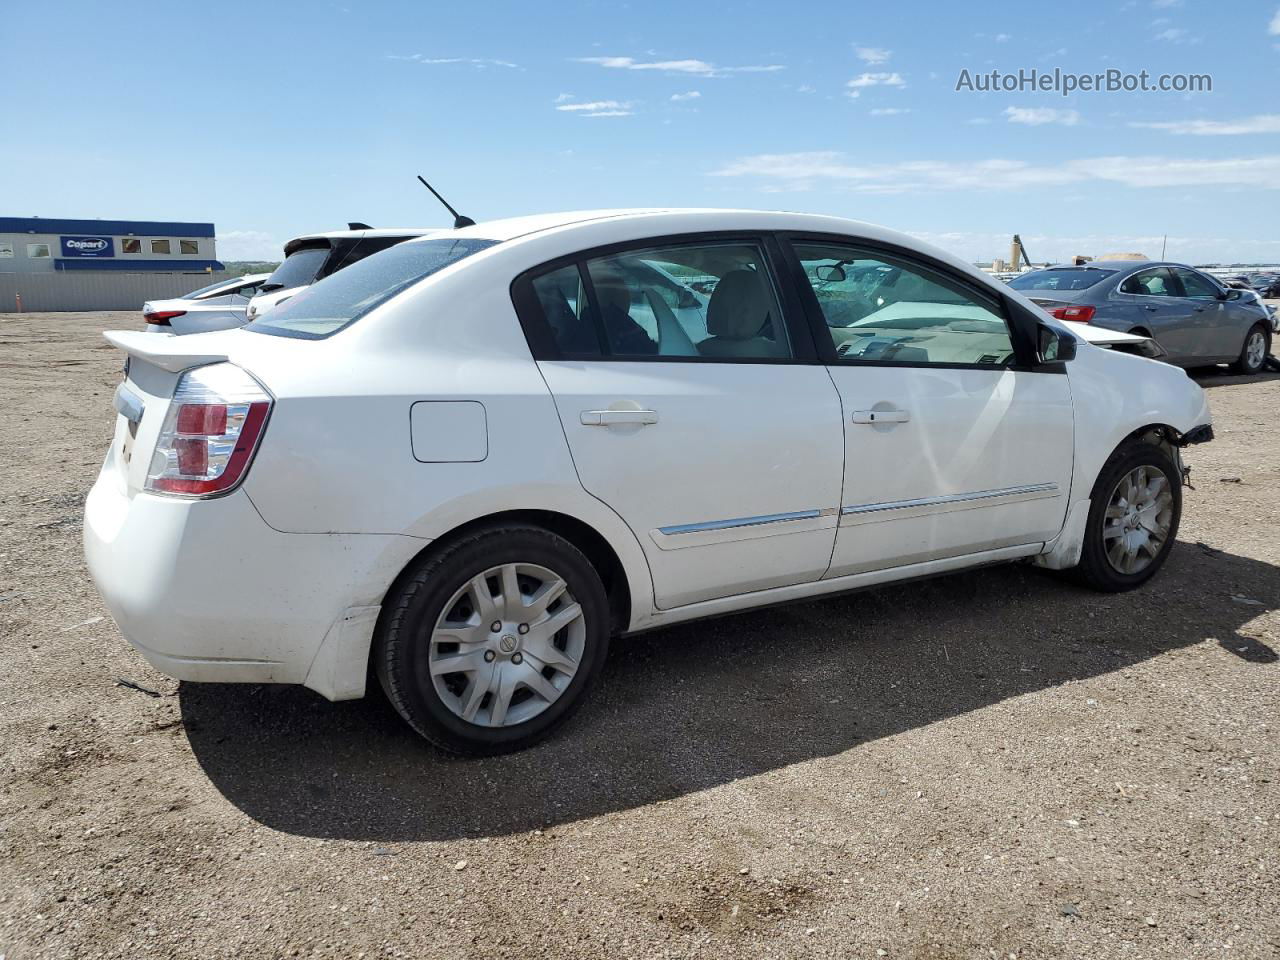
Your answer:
<point x="843" y="584"/>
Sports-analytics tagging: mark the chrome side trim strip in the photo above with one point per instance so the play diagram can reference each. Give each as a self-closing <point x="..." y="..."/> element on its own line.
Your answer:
<point x="741" y="522"/>
<point x="953" y="498"/>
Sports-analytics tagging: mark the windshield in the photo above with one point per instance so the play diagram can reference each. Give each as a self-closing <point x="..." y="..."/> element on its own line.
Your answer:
<point x="299" y="268"/>
<point x="341" y="299"/>
<point x="1062" y="278"/>
<point x="213" y="288"/>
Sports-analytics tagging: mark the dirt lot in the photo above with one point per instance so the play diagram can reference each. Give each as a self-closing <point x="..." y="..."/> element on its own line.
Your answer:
<point x="990" y="765"/>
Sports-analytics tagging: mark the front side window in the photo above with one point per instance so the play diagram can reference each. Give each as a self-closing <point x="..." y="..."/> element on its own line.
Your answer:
<point x="1195" y="285"/>
<point x="339" y="300"/>
<point x="881" y="309"/>
<point x="159" y="246"/>
<point x="1156" y="282"/>
<point x="37" y="251"/>
<point x="712" y="301"/>
<point x="189" y="247"/>
<point x="130" y="245"/>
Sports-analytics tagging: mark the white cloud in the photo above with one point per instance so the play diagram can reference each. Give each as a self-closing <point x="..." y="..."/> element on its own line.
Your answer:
<point x="1163" y="4"/>
<point x="873" y="55"/>
<point x="596" y="108"/>
<point x="1173" y="35"/>
<point x="700" y="68"/>
<point x="480" y="62"/>
<point x="889" y="111"/>
<point x="1261" y="123"/>
<point x="876" y="80"/>
<point x="1274" y="28"/>
<point x="565" y="98"/>
<point x="249" y="245"/>
<point x="691" y="95"/>
<point x="1038" y="116"/>
<point x="1003" y="37"/>
<point x="800" y="171"/>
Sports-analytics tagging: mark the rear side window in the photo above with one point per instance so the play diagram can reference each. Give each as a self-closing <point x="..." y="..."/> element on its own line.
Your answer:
<point x="1157" y="282"/>
<point x="704" y="301"/>
<point x="1079" y="278"/>
<point x="330" y="304"/>
<point x="298" y="269"/>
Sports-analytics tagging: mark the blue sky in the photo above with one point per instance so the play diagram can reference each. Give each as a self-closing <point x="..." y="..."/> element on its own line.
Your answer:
<point x="273" y="119"/>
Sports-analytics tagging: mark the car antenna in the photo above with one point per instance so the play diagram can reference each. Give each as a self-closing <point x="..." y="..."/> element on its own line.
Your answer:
<point x="459" y="221"/>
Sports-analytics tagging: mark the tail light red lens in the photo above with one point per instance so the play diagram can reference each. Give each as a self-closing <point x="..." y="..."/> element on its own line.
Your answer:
<point x="1078" y="314"/>
<point x="162" y="317"/>
<point x="210" y="433"/>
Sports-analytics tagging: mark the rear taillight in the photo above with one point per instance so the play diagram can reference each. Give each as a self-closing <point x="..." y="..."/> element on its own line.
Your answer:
<point x="210" y="433"/>
<point x="1078" y="314"/>
<point x="162" y="317"/>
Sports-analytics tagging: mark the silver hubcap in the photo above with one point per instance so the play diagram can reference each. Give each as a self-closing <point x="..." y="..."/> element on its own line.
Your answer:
<point x="507" y="645"/>
<point x="1255" y="350"/>
<point x="1138" y="519"/>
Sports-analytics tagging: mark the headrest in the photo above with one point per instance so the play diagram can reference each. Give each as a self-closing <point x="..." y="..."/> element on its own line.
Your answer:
<point x="739" y="306"/>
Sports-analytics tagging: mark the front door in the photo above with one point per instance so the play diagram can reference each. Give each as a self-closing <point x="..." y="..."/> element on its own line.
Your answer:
<point x="692" y="409"/>
<point x="950" y="450"/>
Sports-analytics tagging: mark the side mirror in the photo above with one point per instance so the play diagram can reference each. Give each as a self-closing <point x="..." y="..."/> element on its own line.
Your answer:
<point x="829" y="273"/>
<point x="1055" y="346"/>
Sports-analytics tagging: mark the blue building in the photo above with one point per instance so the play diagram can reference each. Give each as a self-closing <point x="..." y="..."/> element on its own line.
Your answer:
<point x="54" y="264"/>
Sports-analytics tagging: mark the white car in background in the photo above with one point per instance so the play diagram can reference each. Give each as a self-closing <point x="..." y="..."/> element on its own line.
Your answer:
<point x="314" y="256"/>
<point x="218" y="306"/>
<point x="468" y="461"/>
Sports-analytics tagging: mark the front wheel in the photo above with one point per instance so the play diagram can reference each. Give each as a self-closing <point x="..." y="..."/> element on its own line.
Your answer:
<point x="1257" y="344"/>
<point x="492" y="643"/>
<point x="1133" y="519"/>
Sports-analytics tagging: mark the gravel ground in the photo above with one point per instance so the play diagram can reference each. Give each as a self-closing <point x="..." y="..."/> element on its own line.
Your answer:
<point x="994" y="764"/>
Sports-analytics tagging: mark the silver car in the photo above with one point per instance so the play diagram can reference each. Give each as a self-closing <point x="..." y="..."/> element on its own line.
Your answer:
<point x="1194" y="318"/>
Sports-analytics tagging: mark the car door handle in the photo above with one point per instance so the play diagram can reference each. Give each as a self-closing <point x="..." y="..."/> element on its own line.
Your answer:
<point x="605" y="418"/>
<point x="1147" y="306"/>
<point x="881" y="416"/>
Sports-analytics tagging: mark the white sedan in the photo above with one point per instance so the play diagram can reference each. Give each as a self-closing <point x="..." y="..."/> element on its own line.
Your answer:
<point x="218" y="306"/>
<point x="470" y="460"/>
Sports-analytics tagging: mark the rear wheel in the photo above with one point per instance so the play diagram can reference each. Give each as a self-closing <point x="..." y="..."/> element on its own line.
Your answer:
<point x="493" y="642"/>
<point x="1253" y="355"/>
<point x="1133" y="519"/>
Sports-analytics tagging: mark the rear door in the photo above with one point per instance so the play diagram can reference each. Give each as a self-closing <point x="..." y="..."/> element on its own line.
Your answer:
<point x="953" y="447"/>
<point x="1156" y="304"/>
<point x="700" y="414"/>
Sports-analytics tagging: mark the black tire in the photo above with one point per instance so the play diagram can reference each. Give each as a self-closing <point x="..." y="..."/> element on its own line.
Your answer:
<point x="402" y="646"/>
<point x="1243" y="364"/>
<point x="1095" y="569"/>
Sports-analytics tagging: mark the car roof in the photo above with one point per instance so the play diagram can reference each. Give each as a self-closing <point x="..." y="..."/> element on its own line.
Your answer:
<point x="1117" y="265"/>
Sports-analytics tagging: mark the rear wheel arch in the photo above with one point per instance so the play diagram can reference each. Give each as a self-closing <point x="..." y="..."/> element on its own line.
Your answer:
<point x="582" y="535"/>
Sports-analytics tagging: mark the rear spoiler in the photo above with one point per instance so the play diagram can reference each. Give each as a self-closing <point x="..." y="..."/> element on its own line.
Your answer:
<point x="174" y="354"/>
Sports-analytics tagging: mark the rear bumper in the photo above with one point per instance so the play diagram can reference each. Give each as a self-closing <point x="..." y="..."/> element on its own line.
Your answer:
<point x="206" y="591"/>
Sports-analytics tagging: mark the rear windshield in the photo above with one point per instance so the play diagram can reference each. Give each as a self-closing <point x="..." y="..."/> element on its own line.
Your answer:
<point x="1066" y="278"/>
<point x="212" y="289"/>
<point x="299" y="268"/>
<point x="343" y="298"/>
